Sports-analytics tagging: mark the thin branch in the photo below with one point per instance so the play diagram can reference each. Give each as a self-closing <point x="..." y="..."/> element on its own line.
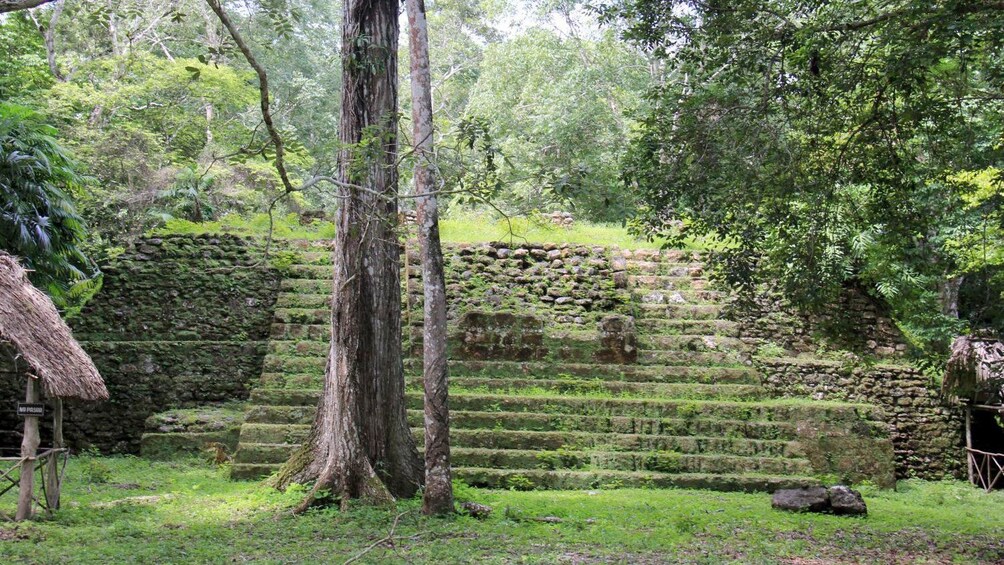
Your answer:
<point x="389" y="537"/>
<point x="266" y="112"/>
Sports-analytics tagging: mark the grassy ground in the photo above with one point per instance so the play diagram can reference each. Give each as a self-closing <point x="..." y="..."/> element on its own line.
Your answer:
<point x="131" y="510"/>
<point x="458" y="228"/>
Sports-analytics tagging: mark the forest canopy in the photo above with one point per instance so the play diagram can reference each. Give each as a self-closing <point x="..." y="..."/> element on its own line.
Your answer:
<point x="817" y="145"/>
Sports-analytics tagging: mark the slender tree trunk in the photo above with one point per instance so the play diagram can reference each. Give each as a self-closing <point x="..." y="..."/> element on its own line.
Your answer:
<point x="49" y="37"/>
<point x="438" y="495"/>
<point x="360" y="445"/>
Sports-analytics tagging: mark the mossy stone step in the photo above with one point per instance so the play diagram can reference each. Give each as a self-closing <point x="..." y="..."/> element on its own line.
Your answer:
<point x="659" y="296"/>
<point x="537" y="421"/>
<point x="693" y="270"/>
<point x="606" y="479"/>
<point x="171" y="445"/>
<point x="294" y="331"/>
<point x="671" y="255"/>
<point x="666" y="282"/>
<point x="253" y="432"/>
<point x="533" y="440"/>
<point x="252" y="471"/>
<point x="311" y="272"/>
<point x="783" y="411"/>
<point x="603" y="388"/>
<point x="314" y="363"/>
<point x="313" y="380"/>
<point x="658" y="461"/>
<point x="497" y="441"/>
<point x="315" y="257"/>
<point x="658" y="326"/>
<point x="291" y="365"/>
<point x="691" y="358"/>
<point x="762" y="411"/>
<point x="260" y="414"/>
<point x="303" y="300"/>
<point x="306" y="286"/>
<point x="312" y="316"/>
<point x="689" y="342"/>
<point x="632" y="373"/>
<point x="677" y="311"/>
<point x="264" y="452"/>
<point x="274" y="433"/>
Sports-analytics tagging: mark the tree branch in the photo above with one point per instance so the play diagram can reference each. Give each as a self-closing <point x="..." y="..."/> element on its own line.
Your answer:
<point x="15" y="5"/>
<point x="266" y="112"/>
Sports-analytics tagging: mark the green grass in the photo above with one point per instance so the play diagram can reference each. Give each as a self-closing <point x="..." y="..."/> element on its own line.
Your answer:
<point x="459" y="228"/>
<point x="128" y="510"/>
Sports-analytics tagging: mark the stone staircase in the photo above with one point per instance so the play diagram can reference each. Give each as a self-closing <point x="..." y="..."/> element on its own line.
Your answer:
<point x="689" y="412"/>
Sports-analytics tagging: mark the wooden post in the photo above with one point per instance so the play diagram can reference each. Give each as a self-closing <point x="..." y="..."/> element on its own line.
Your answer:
<point x="52" y="486"/>
<point x="29" y="446"/>
<point x="969" y="441"/>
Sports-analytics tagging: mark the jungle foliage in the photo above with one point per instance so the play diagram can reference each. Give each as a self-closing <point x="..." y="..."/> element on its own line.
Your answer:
<point x="38" y="221"/>
<point x="831" y="143"/>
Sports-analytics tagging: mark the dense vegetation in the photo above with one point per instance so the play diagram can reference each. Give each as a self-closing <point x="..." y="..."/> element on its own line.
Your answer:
<point x="831" y="143"/>
<point x="820" y="146"/>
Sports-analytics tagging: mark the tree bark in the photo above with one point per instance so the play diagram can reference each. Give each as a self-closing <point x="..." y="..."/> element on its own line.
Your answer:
<point x="15" y="5"/>
<point x="49" y="37"/>
<point x="360" y="445"/>
<point x="438" y="495"/>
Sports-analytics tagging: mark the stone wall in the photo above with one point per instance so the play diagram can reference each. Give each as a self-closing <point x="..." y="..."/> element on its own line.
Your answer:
<point x="565" y="285"/>
<point x="179" y="321"/>
<point x="856" y="323"/>
<point x="927" y="434"/>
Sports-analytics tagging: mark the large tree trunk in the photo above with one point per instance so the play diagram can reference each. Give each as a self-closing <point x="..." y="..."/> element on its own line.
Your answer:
<point x="438" y="495"/>
<point x="360" y="445"/>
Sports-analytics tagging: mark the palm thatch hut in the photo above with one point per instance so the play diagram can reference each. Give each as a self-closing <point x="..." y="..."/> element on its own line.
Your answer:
<point x="975" y="370"/>
<point x="975" y="375"/>
<point x="32" y="331"/>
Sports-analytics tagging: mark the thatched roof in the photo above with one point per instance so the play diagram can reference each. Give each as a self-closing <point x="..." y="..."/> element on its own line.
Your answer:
<point x="30" y="323"/>
<point x="975" y="369"/>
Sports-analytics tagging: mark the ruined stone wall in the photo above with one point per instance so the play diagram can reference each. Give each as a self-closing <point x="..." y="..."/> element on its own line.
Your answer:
<point x="856" y="323"/>
<point x="926" y="432"/>
<point x="179" y="321"/>
<point x="567" y="285"/>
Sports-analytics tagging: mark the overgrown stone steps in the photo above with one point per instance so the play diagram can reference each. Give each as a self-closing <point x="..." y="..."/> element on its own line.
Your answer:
<point x="538" y="421"/>
<point x="665" y="326"/>
<point x="687" y="296"/>
<point x="667" y="283"/>
<point x="690" y="412"/>
<point x="677" y="311"/>
<point x="311" y="300"/>
<point x="559" y="406"/>
<point x="658" y="461"/>
<point x="292" y="331"/>
<point x="632" y="373"/>
<point x="526" y="479"/>
<point x="483" y="448"/>
<point x="669" y="269"/>
<point x="511" y="439"/>
<point x="691" y="342"/>
<point x="314" y="364"/>
<point x="603" y="388"/>
<point x="690" y="358"/>
<point x="523" y="370"/>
